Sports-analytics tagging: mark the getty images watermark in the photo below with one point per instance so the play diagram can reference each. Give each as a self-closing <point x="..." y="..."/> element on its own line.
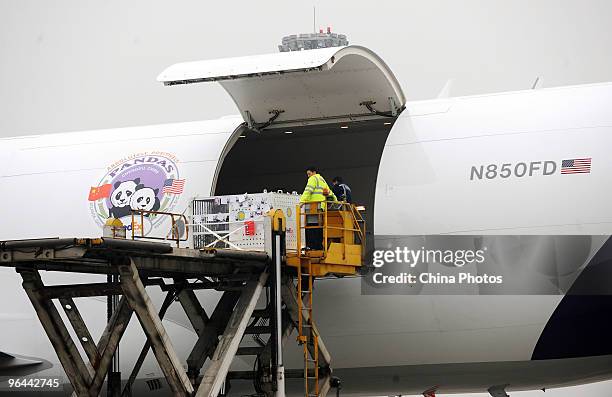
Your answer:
<point x="411" y="258"/>
<point x="488" y="265"/>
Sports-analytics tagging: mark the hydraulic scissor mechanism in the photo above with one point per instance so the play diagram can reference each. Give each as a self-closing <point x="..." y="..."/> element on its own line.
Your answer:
<point x="287" y="276"/>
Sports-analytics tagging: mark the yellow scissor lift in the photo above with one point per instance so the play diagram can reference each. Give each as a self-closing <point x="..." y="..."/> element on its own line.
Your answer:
<point x="343" y="232"/>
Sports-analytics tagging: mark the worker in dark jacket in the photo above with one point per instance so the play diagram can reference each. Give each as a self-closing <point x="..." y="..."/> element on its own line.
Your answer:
<point x="341" y="190"/>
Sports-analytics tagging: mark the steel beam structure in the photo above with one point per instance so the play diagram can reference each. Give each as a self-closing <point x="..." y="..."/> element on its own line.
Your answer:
<point x="242" y="276"/>
<point x="215" y="374"/>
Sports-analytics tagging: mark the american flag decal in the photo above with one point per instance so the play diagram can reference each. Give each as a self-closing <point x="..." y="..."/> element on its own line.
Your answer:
<point x="173" y="186"/>
<point x="576" y="166"/>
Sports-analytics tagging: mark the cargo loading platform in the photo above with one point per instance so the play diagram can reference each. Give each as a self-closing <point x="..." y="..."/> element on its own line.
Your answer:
<point x="131" y="265"/>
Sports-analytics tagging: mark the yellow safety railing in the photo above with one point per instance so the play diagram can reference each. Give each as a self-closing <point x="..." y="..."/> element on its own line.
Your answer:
<point x="332" y="230"/>
<point x="173" y="235"/>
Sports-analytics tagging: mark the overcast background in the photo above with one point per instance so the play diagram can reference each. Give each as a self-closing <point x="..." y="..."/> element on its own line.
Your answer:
<point x="74" y="65"/>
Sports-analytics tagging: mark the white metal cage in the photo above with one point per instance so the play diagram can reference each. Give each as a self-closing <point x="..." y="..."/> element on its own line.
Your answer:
<point x="236" y="221"/>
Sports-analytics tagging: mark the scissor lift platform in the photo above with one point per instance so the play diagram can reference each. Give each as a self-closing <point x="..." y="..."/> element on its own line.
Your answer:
<point x="94" y="255"/>
<point x="131" y="266"/>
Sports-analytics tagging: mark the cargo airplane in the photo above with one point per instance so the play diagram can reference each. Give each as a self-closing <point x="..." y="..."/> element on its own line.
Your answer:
<point x="526" y="163"/>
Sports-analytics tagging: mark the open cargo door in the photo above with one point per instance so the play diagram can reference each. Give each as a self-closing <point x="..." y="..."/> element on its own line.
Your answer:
<point x="300" y="87"/>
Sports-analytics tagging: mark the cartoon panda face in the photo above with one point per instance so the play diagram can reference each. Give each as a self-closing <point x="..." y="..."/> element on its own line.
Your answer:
<point x="123" y="192"/>
<point x="144" y="199"/>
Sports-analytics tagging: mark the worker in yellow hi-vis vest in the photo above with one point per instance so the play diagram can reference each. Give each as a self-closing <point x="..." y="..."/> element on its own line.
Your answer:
<point x="316" y="192"/>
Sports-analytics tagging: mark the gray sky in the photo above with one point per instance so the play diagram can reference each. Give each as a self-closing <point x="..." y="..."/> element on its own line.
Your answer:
<point x="74" y="65"/>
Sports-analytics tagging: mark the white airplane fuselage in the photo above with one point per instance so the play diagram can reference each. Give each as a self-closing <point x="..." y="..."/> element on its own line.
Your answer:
<point x="424" y="177"/>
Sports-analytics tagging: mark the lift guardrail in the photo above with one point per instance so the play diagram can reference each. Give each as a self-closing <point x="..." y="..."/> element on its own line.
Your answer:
<point x="174" y="234"/>
<point x="343" y="232"/>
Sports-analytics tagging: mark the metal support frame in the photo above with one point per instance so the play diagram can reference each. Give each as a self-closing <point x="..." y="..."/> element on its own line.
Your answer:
<point x="243" y="276"/>
<point x="195" y="312"/>
<point x="209" y="334"/>
<point x="113" y="384"/>
<point x="82" y="333"/>
<point x="109" y="341"/>
<point x="169" y="362"/>
<point x="127" y="389"/>
<point x="207" y="328"/>
<point x="49" y="317"/>
<point x="86" y="379"/>
<point x="215" y="374"/>
<point x="275" y="342"/>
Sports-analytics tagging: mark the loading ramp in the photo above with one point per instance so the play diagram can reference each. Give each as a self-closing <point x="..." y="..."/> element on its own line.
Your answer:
<point x="241" y="275"/>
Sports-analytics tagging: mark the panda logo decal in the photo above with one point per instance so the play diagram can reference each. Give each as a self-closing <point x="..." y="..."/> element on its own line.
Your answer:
<point x="121" y="197"/>
<point x="143" y="184"/>
<point x="145" y="199"/>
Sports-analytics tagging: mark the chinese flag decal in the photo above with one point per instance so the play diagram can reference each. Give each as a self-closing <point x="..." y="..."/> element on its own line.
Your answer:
<point x="100" y="192"/>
